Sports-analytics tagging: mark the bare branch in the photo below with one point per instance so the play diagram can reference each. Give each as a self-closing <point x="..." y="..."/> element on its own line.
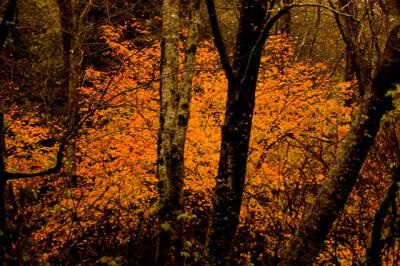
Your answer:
<point x="281" y="12"/>
<point x="51" y="170"/>
<point x="333" y="10"/>
<point x="219" y="42"/>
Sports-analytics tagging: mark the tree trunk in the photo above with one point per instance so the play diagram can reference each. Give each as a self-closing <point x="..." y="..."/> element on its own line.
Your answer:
<point x="236" y="133"/>
<point x="356" y="61"/>
<point x="284" y="26"/>
<point x="8" y="21"/>
<point x="66" y="22"/>
<point x="313" y="230"/>
<point x="6" y="24"/>
<point x="174" y="116"/>
<point x="4" y="232"/>
<point x="75" y="58"/>
<point x="70" y="15"/>
<point x="383" y="234"/>
<point x="379" y="236"/>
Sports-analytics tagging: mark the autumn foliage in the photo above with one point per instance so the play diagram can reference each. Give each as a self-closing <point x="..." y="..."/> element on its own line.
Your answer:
<point x="301" y="115"/>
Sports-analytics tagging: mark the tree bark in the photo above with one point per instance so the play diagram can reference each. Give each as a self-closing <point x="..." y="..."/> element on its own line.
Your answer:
<point x="383" y="234"/>
<point x="356" y="61"/>
<point x="379" y="236"/>
<point x="174" y="116"/>
<point x="313" y="230"/>
<point x="8" y="21"/>
<point x="6" y="24"/>
<point x="75" y="58"/>
<point x="4" y="232"/>
<point x="235" y="131"/>
<point x="70" y="16"/>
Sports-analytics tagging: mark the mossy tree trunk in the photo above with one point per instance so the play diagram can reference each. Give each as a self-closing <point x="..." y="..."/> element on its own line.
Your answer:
<point x="318" y="220"/>
<point x="175" y="95"/>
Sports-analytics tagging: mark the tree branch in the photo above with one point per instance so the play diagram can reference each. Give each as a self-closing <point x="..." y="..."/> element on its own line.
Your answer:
<point x="271" y="22"/>
<point x="9" y="175"/>
<point x="219" y="42"/>
<point x="333" y="10"/>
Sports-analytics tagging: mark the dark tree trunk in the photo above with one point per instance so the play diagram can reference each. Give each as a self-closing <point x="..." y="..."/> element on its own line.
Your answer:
<point x="356" y="60"/>
<point x="74" y="73"/>
<point x="8" y="21"/>
<point x="349" y="67"/>
<point x="313" y="230"/>
<point x="383" y="232"/>
<point x="4" y="232"/>
<point x="66" y="20"/>
<point x="378" y="237"/>
<point x="70" y="16"/>
<point x="236" y="133"/>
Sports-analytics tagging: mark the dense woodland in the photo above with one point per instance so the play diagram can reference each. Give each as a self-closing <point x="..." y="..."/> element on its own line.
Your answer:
<point x="191" y="132"/>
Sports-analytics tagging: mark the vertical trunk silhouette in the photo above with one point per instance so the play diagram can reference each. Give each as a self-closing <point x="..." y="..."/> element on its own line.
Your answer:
<point x="6" y="24"/>
<point x="4" y="232"/>
<point x="75" y="58"/>
<point x="175" y="98"/>
<point x="235" y="136"/>
<point x="356" y="61"/>
<point x="8" y="21"/>
<point x="70" y="17"/>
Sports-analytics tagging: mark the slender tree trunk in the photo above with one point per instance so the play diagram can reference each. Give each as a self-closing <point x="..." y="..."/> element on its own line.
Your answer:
<point x="313" y="230"/>
<point x="70" y="15"/>
<point x="356" y="61"/>
<point x="383" y="234"/>
<point x="315" y="33"/>
<point x="169" y="241"/>
<point x="4" y="232"/>
<point x="6" y="24"/>
<point x="349" y="67"/>
<point x="236" y="133"/>
<point x="286" y="21"/>
<point x="379" y="236"/>
<point x="8" y="21"/>
<point x="66" y="20"/>
<point x="174" y="115"/>
<point x="75" y="58"/>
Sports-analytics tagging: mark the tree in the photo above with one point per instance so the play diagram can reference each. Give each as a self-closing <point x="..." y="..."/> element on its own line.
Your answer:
<point x="5" y="26"/>
<point x="5" y="240"/>
<point x="8" y="21"/>
<point x="382" y="235"/>
<point x="71" y="16"/>
<point x="254" y="27"/>
<point x="175" y="97"/>
<point x="317" y="222"/>
<point x="6" y="175"/>
<point x="242" y="78"/>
